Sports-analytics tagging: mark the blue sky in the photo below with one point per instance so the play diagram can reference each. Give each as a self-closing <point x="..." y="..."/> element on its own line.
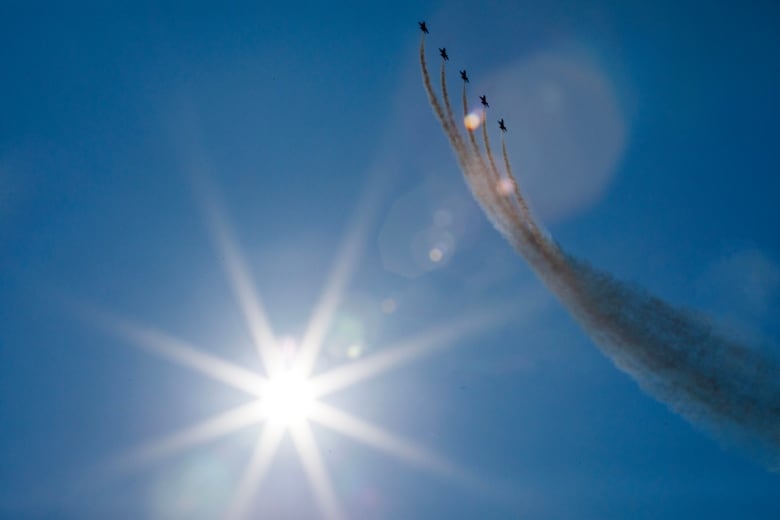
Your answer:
<point x="644" y="135"/>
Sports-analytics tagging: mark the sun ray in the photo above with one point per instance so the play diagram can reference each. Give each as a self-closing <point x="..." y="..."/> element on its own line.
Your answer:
<point x="201" y="433"/>
<point x="376" y="437"/>
<point x="443" y="336"/>
<point x="256" y="470"/>
<point x="343" y="267"/>
<point x="331" y="297"/>
<point x="290" y="385"/>
<point x="196" y="166"/>
<point x="184" y="354"/>
<point x="243" y="288"/>
<point x="316" y="471"/>
<point x="241" y="283"/>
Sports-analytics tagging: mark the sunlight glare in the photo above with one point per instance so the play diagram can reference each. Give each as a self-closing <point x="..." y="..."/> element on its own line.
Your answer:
<point x="184" y="354"/>
<point x="316" y="473"/>
<point x="287" y="401"/>
<point x="206" y="431"/>
<point x="288" y="398"/>
<point x="238" y="274"/>
<point x="367" y="433"/>
<point x="437" y="338"/>
<point x="255" y="472"/>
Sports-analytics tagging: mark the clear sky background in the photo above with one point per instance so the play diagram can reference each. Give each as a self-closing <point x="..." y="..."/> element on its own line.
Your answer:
<point x="645" y="134"/>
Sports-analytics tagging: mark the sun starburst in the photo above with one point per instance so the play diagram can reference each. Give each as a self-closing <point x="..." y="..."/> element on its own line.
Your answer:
<point x="288" y="398"/>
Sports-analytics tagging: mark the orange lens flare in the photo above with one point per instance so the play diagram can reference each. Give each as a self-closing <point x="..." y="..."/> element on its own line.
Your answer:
<point x="472" y="121"/>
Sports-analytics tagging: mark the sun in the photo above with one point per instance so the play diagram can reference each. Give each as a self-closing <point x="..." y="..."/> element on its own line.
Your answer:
<point x="287" y="399"/>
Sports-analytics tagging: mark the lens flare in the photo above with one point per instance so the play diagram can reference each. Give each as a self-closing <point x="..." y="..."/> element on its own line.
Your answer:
<point x="472" y="121"/>
<point x="505" y="187"/>
<point x="388" y="305"/>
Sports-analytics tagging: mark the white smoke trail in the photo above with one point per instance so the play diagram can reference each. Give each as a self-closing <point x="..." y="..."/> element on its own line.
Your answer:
<point x="495" y="175"/>
<point x="470" y="165"/>
<point x="712" y="381"/>
<point x="518" y="196"/>
<point x="448" y="123"/>
<point x="507" y="197"/>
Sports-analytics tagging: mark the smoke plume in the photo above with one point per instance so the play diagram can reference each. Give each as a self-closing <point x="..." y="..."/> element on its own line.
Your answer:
<point x="674" y="355"/>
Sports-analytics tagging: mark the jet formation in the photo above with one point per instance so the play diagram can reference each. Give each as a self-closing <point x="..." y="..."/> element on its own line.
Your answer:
<point x="463" y="75"/>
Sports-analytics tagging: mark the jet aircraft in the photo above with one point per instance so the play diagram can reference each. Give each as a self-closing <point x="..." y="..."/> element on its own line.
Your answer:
<point x="443" y="53"/>
<point x="501" y="125"/>
<point x="483" y="100"/>
<point x="423" y="27"/>
<point x="464" y="76"/>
